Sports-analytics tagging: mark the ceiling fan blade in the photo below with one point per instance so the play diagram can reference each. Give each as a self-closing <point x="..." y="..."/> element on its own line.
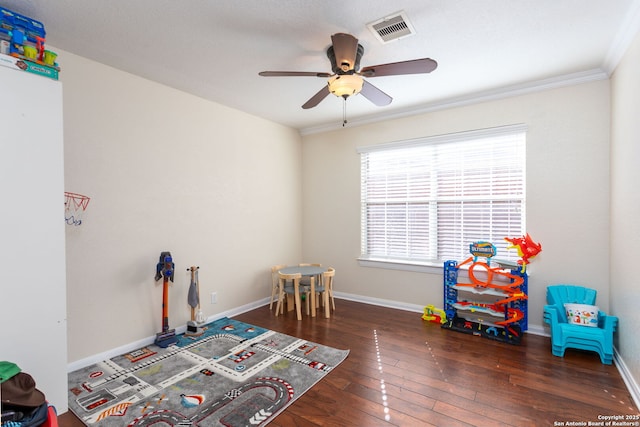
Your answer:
<point x="345" y="48"/>
<point x="415" y="66"/>
<point x="293" y="74"/>
<point x="374" y="94"/>
<point x="315" y="99"/>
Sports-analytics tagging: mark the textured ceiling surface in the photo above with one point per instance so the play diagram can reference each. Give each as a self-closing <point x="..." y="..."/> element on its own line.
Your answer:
<point x="215" y="49"/>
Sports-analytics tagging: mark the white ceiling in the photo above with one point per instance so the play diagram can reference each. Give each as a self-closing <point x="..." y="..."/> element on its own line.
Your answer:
<point x="215" y="48"/>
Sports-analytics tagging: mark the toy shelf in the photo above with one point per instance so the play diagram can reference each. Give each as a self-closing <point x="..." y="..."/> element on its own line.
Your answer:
<point x="495" y="310"/>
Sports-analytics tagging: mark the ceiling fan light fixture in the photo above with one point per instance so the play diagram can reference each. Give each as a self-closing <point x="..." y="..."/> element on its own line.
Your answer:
<point x="345" y="85"/>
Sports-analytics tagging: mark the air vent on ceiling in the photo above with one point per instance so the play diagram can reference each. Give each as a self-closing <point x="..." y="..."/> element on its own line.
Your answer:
<point x="392" y="27"/>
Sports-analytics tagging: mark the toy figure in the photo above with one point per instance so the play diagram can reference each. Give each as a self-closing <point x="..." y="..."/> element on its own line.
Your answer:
<point x="526" y="247"/>
<point x="435" y="315"/>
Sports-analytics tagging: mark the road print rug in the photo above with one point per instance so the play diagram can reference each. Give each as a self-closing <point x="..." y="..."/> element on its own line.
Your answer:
<point x="234" y="374"/>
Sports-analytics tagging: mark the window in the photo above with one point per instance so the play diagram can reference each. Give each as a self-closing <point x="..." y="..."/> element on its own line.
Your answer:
<point x="424" y="201"/>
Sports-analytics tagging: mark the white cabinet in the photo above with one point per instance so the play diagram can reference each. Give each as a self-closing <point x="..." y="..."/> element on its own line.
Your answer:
<point x="33" y="308"/>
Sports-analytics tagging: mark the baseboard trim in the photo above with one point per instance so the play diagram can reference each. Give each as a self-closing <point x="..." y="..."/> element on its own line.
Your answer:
<point x="79" y="364"/>
<point x="538" y="330"/>
<point x="380" y="302"/>
<point x="630" y="382"/>
<point x="533" y="329"/>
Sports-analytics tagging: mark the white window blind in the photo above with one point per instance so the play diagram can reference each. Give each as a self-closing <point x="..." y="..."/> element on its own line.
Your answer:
<point x="426" y="200"/>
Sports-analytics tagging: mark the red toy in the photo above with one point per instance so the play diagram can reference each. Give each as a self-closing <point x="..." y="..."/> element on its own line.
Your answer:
<point x="526" y="247"/>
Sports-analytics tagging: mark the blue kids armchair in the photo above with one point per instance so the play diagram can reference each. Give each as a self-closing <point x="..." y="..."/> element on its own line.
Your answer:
<point x="579" y="336"/>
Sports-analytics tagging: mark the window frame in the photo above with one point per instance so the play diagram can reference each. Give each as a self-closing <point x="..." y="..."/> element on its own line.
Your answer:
<point x="431" y="266"/>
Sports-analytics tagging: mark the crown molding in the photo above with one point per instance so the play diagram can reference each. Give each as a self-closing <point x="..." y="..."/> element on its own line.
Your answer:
<point x="627" y="32"/>
<point x="474" y="98"/>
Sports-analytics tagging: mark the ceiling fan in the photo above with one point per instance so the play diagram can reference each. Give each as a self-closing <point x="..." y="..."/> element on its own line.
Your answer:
<point x="347" y="78"/>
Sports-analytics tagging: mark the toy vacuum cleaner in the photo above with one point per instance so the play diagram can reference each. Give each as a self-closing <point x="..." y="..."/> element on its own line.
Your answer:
<point x="165" y="269"/>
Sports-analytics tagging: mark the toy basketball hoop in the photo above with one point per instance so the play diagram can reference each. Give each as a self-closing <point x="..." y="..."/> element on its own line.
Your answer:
<point x="74" y="206"/>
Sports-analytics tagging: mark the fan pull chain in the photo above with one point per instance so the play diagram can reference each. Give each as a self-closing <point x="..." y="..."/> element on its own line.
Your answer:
<point x="344" y="112"/>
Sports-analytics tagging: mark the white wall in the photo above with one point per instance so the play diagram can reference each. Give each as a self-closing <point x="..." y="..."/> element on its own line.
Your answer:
<point x="625" y="206"/>
<point x="167" y="171"/>
<point x="567" y="193"/>
<point x="32" y="290"/>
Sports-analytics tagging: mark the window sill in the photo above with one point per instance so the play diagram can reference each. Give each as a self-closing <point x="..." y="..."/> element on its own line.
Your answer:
<point x="420" y="267"/>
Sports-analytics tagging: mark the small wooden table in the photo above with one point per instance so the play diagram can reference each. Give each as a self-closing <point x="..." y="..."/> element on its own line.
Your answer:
<point x="311" y="271"/>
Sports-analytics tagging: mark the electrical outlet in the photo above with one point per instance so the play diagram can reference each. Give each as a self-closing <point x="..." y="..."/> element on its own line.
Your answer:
<point x="214" y="297"/>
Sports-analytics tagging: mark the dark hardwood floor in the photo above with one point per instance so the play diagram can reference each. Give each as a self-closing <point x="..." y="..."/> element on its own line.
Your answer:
<point x="403" y="371"/>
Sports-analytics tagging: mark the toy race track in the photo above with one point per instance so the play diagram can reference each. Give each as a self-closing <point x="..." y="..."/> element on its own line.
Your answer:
<point x="492" y="309"/>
